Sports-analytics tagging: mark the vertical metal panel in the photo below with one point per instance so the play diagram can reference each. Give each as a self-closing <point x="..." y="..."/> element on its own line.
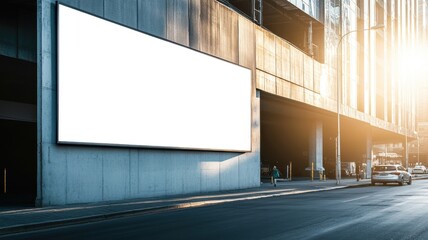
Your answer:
<point x="282" y="58"/>
<point x="269" y="52"/>
<point x="259" y="48"/>
<point x="194" y="23"/>
<point x="260" y="80"/>
<point x="228" y="34"/>
<point x="246" y="43"/>
<point x="95" y="7"/>
<point x="152" y="17"/>
<point x="121" y="11"/>
<point x="71" y="3"/>
<point x="210" y="27"/>
<point x="278" y="86"/>
<point x="330" y="104"/>
<point x="308" y="73"/>
<point x="317" y="76"/>
<point x="178" y="21"/>
<point x="270" y="85"/>
<point x="293" y="70"/>
<point x="309" y="96"/>
<point x="280" y="71"/>
<point x="286" y="60"/>
<point x="265" y="82"/>
<point x="282" y="88"/>
<point x="204" y="26"/>
<point x="297" y="93"/>
<point x="296" y="73"/>
<point x="317" y="100"/>
<point x="286" y="89"/>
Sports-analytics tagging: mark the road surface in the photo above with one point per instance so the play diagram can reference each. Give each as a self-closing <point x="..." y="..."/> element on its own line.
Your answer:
<point x="374" y="212"/>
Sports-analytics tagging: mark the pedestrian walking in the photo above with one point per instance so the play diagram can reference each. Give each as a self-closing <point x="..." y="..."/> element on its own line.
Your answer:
<point x="275" y="175"/>
<point x="358" y="172"/>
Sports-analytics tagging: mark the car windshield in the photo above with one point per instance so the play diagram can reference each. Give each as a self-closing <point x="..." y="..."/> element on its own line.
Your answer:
<point x="384" y="168"/>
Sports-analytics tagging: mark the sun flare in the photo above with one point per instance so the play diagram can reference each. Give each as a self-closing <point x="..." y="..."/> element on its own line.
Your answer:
<point x="413" y="65"/>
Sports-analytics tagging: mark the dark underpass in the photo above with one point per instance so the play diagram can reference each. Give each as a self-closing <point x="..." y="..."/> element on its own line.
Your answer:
<point x="18" y="101"/>
<point x="286" y="127"/>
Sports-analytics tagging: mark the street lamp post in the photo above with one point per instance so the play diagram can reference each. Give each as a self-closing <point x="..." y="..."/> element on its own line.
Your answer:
<point x="339" y="77"/>
<point x="418" y="149"/>
<point x="417" y="138"/>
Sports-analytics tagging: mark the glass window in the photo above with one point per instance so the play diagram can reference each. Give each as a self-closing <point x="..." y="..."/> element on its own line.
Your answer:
<point x="384" y="168"/>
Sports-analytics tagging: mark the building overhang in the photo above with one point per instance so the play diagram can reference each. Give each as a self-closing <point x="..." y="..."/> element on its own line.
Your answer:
<point x="285" y="11"/>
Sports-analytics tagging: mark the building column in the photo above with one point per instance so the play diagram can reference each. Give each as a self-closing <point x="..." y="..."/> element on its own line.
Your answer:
<point x="369" y="155"/>
<point x="316" y="146"/>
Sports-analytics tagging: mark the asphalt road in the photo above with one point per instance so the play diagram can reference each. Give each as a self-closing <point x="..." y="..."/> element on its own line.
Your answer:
<point x="375" y="212"/>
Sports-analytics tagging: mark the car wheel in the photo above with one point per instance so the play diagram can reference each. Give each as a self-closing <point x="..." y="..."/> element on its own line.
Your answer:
<point x="401" y="182"/>
<point x="410" y="181"/>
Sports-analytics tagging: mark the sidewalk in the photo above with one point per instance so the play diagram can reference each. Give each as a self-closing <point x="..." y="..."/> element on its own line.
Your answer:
<point x="27" y="219"/>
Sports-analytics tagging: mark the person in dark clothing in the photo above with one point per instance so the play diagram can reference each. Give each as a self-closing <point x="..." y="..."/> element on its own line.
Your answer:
<point x="275" y="175"/>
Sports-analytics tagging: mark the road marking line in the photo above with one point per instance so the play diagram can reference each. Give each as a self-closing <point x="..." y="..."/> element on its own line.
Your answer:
<point x="355" y="199"/>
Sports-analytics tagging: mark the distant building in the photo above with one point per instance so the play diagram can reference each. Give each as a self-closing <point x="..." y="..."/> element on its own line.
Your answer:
<point x="418" y="148"/>
<point x="125" y="99"/>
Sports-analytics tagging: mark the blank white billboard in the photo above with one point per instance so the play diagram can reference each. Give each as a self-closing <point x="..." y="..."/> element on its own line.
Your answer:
<point x="119" y="86"/>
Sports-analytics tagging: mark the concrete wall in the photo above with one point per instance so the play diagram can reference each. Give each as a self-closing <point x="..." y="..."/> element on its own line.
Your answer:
<point x="76" y="174"/>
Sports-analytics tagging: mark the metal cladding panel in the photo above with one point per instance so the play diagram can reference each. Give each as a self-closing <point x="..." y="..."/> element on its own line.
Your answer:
<point x="124" y="12"/>
<point x="118" y="86"/>
<point x="178" y="21"/>
<point x="152" y="17"/>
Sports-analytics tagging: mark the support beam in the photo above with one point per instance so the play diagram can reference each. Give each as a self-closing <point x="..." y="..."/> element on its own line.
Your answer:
<point x="17" y="111"/>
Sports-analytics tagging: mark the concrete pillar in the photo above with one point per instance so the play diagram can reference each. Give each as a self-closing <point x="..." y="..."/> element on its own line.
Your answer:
<point x="369" y="155"/>
<point x="316" y="146"/>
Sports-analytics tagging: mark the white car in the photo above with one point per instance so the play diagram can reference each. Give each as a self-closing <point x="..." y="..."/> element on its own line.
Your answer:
<point x="419" y="169"/>
<point x="390" y="174"/>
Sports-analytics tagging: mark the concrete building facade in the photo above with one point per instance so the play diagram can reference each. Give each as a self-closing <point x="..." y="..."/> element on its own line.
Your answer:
<point x="291" y="51"/>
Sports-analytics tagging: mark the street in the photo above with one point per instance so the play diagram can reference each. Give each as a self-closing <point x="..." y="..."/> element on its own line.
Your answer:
<point x="372" y="212"/>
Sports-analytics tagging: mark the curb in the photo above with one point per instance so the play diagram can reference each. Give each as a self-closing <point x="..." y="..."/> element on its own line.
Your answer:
<point x="78" y="220"/>
<point x="100" y="217"/>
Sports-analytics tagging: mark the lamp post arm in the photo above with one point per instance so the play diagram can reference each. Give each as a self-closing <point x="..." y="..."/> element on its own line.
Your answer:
<point x="338" y="161"/>
<point x="339" y="80"/>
